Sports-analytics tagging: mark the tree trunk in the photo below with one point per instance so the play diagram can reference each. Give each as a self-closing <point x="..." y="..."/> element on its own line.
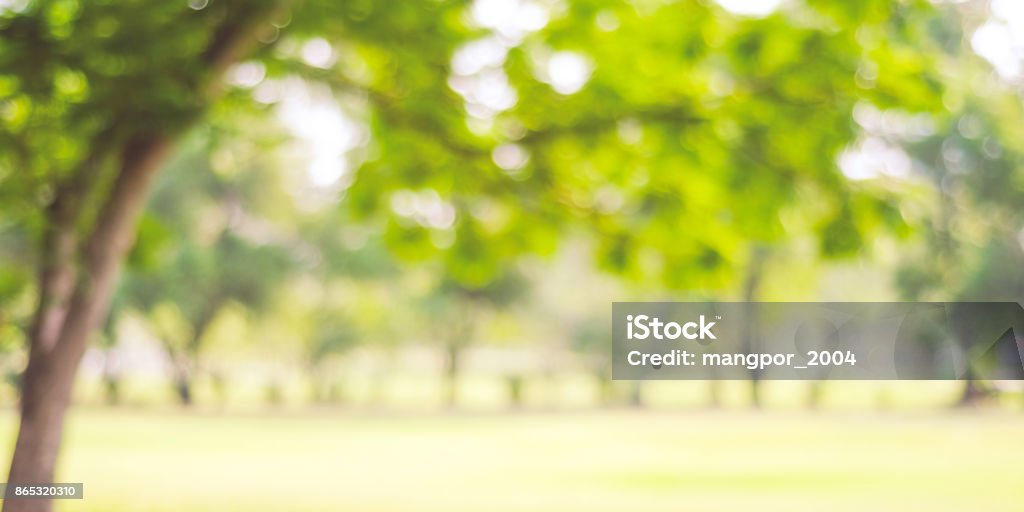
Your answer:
<point x="515" y="391"/>
<point x="111" y="378"/>
<point x="274" y="393"/>
<point x="451" y="398"/>
<point x="321" y="389"/>
<point x="186" y="360"/>
<point x="749" y="327"/>
<point x="183" y="388"/>
<point x="219" y="382"/>
<point x="605" y="387"/>
<point x="46" y="388"/>
<point x="59" y="336"/>
<point x="112" y="389"/>
<point x="973" y="394"/>
<point x="815" y="392"/>
<point x="714" y="393"/>
<point x="316" y="393"/>
<point x="636" y="395"/>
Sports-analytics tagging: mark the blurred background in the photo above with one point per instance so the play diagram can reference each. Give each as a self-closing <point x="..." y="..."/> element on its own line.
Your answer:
<point x="376" y="270"/>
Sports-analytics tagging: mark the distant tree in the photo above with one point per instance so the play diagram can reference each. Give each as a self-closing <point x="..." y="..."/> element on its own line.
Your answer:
<point x="333" y="335"/>
<point x="970" y="245"/>
<point x="205" y="244"/>
<point x="199" y="282"/>
<point x="453" y="312"/>
<point x="592" y="342"/>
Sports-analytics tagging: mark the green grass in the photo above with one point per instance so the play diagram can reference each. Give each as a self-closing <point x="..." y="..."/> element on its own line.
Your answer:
<point x="617" y="460"/>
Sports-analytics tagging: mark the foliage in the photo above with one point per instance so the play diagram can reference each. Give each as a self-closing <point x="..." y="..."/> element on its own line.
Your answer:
<point x="676" y="136"/>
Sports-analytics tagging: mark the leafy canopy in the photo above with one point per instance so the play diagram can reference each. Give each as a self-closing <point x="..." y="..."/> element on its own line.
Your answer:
<point x="689" y="130"/>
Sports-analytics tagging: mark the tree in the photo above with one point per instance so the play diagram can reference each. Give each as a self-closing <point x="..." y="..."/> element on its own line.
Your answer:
<point x="334" y="322"/>
<point x="968" y="161"/>
<point x="203" y="246"/>
<point x="453" y="311"/>
<point x="98" y="103"/>
<point x="591" y="341"/>
<point x="332" y="336"/>
<point x="184" y="294"/>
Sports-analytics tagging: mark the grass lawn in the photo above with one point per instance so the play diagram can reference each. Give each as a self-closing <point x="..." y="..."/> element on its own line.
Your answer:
<point x="608" y="460"/>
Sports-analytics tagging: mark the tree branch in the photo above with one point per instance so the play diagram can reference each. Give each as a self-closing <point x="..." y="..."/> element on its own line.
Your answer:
<point x="234" y="39"/>
<point x="113" y="233"/>
<point x="596" y="125"/>
<point x="58" y="270"/>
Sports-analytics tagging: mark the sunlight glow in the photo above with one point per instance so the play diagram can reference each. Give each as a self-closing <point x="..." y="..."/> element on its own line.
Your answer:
<point x="1000" y="40"/>
<point x="512" y="19"/>
<point x="318" y="122"/>
<point x="568" y="72"/>
<point x="425" y="207"/>
<point x="756" y="8"/>
<point x="318" y="53"/>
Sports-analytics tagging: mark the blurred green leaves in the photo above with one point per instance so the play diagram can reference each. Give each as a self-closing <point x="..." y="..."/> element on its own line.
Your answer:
<point x="675" y="135"/>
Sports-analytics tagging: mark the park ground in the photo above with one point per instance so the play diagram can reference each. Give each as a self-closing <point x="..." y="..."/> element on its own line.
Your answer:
<point x="650" y="460"/>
